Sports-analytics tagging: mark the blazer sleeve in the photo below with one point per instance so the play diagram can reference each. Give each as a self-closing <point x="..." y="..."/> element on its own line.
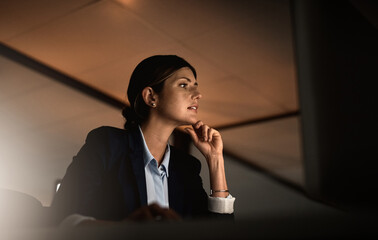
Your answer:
<point x="195" y="197"/>
<point x="80" y="191"/>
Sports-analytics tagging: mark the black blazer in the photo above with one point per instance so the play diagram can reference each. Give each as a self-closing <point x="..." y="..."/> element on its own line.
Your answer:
<point x="106" y="179"/>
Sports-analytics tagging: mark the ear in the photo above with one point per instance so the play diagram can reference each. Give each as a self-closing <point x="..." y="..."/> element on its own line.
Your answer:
<point x="149" y="96"/>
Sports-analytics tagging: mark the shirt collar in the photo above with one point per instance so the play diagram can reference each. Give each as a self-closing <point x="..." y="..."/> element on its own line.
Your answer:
<point x="147" y="156"/>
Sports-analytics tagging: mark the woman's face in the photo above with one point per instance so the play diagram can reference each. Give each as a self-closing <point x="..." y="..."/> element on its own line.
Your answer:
<point x="178" y="101"/>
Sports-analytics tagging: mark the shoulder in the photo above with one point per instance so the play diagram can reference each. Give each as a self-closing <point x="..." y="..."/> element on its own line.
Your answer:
<point x="106" y="137"/>
<point x="104" y="145"/>
<point x="107" y="133"/>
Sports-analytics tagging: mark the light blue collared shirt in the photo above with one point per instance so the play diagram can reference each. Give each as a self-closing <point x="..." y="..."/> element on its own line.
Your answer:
<point x="156" y="176"/>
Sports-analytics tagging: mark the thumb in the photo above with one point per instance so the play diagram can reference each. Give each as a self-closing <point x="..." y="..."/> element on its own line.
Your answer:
<point x="192" y="134"/>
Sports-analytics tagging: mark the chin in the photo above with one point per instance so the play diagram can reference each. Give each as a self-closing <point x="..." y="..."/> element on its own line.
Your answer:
<point x="193" y="121"/>
<point x="189" y="122"/>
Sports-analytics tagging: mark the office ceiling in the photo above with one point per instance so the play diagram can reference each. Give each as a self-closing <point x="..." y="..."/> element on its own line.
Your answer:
<point x="242" y="50"/>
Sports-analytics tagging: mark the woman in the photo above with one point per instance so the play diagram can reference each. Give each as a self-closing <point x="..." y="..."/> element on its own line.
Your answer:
<point x="134" y="173"/>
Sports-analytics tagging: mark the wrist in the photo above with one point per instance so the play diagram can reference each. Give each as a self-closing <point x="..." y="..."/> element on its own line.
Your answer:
<point x="214" y="156"/>
<point x="218" y="180"/>
<point x="219" y="193"/>
<point x="216" y="166"/>
<point x="215" y="161"/>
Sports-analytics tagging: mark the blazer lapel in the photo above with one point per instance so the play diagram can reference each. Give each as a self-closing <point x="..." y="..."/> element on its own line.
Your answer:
<point x="175" y="191"/>
<point x="136" y="158"/>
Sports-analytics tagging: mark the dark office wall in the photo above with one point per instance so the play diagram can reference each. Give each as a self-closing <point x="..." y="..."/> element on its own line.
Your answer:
<point x="337" y="63"/>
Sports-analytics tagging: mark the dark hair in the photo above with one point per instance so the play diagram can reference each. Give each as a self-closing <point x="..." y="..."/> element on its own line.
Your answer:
<point x="152" y="72"/>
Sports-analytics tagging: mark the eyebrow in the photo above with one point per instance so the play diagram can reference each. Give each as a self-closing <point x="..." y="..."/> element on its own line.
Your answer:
<point x="188" y="79"/>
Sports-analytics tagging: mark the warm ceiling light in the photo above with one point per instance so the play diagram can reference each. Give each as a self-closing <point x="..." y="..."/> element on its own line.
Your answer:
<point x="125" y="2"/>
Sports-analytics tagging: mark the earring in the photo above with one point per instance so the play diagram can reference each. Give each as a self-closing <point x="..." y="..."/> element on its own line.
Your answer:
<point x="153" y="104"/>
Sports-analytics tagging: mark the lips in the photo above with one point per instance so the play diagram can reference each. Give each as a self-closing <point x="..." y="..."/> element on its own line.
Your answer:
<point x="194" y="107"/>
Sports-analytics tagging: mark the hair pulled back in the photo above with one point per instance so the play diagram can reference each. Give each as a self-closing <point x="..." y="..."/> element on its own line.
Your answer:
<point x="151" y="72"/>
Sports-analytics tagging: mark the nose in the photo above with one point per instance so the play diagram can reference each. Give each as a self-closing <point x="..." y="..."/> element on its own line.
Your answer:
<point x="196" y="95"/>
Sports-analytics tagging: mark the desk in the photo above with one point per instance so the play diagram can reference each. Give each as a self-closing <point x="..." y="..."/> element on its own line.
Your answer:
<point x="281" y="227"/>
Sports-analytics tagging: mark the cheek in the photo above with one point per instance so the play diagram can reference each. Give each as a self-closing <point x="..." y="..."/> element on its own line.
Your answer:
<point x="169" y="104"/>
<point x="176" y="100"/>
<point x="177" y="105"/>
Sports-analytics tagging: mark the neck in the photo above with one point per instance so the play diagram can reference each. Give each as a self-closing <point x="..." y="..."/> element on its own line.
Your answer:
<point x="156" y="134"/>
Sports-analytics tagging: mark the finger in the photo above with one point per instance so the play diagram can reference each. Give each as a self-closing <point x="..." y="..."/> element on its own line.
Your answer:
<point x="192" y="134"/>
<point x="204" y="132"/>
<point x="211" y="133"/>
<point x="141" y="214"/>
<point x="161" y="213"/>
<point x="167" y="214"/>
<point x="170" y="214"/>
<point x="198" y="128"/>
<point x="156" y="209"/>
<point x="146" y="215"/>
<point x="197" y="125"/>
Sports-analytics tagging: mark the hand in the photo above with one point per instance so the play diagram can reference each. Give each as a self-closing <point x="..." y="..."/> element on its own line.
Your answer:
<point x="209" y="142"/>
<point x="153" y="212"/>
<point x="206" y="139"/>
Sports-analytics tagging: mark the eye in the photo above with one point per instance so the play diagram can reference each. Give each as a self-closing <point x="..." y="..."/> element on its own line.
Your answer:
<point x="183" y="85"/>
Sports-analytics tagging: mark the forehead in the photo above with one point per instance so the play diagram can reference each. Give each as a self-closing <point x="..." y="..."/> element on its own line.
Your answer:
<point x="182" y="73"/>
